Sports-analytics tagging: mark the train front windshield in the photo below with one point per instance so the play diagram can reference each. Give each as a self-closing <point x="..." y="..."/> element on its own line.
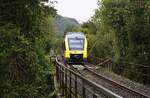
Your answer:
<point x="76" y="43"/>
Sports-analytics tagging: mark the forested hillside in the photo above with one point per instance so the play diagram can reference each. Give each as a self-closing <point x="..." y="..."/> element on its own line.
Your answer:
<point x="64" y="23"/>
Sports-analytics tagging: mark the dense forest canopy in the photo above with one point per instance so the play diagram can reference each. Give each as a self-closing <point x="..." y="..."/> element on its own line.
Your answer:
<point x="123" y="30"/>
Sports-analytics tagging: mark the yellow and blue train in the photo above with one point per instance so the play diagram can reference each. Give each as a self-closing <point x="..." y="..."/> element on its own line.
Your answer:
<point x="75" y="47"/>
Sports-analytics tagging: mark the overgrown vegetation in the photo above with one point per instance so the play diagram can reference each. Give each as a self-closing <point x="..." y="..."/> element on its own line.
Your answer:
<point x="26" y="30"/>
<point x="123" y="33"/>
<point x="124" y="26"/>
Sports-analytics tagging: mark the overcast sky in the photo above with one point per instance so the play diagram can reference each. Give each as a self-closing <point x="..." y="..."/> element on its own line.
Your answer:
<point x="81" y="10"/>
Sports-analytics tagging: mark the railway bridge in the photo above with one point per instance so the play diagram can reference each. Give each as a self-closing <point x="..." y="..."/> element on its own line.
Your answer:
<point x="73" y="84"/>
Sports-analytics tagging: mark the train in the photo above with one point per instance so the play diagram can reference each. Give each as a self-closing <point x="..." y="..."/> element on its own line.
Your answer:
<point x="75" y="48"/>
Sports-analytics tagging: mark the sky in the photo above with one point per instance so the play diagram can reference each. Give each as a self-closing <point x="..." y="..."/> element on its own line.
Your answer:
<point x="81" y="10"/>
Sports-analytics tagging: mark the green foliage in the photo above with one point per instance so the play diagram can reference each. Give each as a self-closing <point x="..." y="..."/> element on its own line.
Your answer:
<point x="138" y="31"/>
<point x="89" y="30"/>
<point x="71" y="28"/>
<point x="109" y="22"/>
<point x="128" y="21"/>
<point x="89" y="27"/>
<point x="25" y="32"/>
<point x="123" y="32"/>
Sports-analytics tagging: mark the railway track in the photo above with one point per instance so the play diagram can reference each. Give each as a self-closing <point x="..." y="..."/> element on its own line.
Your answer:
<point x="117" y="88"/>
<point x="74" y="84"/>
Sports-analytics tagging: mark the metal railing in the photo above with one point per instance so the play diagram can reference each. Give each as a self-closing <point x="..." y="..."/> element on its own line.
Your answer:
<point x="73" y="85"/>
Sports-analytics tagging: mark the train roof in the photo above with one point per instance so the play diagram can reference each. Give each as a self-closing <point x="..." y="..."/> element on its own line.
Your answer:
<point x="75" y="34"/>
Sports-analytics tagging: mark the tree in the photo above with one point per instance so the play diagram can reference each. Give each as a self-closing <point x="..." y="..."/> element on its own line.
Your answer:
<point x="24" y="33"/>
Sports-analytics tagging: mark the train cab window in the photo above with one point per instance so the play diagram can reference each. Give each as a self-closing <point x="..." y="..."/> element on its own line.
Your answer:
<point x="76" y="43"/>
